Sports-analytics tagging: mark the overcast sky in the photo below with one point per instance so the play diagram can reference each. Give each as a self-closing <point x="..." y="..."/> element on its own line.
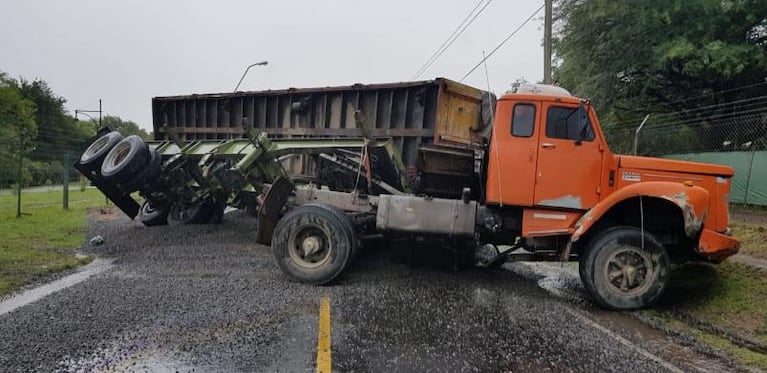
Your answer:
<point x="126" y="52"/>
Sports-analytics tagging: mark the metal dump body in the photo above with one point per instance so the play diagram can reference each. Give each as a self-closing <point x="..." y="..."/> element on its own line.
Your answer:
<point x="437" y="111"/>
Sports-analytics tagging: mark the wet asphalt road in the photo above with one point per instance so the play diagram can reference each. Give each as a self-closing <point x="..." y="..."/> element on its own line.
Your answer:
<point x="205" y="298"/>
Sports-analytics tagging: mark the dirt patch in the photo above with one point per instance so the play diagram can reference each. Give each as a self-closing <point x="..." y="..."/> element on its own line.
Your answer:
<point x="751" y="261"/>
<point x="748" y="216"/>
<point x="104" y="213"/>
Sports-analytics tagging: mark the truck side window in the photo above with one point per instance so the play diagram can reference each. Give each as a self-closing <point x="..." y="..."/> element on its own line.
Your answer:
<point x="563" y="123"/>
<point x="523" y="120"/>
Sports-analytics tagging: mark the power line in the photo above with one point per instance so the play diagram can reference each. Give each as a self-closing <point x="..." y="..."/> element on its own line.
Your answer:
<point x="502" y="43"/>
<point x="693" y="111"/>
<point x="717" y="93"/>
<point x="694" y="114"/>
<point x="452" y="38"/>
<point x="697" y="97"/>
<point x="421" y="69"/>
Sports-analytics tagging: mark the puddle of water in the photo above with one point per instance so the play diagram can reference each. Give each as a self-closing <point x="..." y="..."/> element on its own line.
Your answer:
<point x="562" y="281"/>
<point x="33" y="295"/>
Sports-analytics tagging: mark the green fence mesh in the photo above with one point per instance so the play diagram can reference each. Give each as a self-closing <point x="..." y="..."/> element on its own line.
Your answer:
<point x="749" y="185"/>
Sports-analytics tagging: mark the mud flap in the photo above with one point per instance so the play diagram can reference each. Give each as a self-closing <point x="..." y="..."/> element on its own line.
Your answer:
<point x="270" y="207"/>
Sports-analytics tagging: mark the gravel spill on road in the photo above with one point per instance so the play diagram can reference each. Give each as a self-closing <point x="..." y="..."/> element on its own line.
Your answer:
<point x="207" y="298"/>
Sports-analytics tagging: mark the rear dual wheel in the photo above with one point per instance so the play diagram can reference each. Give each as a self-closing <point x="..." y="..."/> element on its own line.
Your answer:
<point x="125" y="161"/>
<point x="93" y="156"/>
<point x="313" y="244"/>
<point x="131" y="163"/>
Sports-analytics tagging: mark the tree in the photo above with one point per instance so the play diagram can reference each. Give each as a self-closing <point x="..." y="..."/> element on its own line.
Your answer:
<point x="125" y="127"/>
<point x="17" y="128"/>
<point x="662" y="56"/>
<point x="58" y="134"/>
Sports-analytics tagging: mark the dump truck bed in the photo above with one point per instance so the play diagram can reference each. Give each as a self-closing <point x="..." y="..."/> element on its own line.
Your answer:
<point x="439" y="111"/>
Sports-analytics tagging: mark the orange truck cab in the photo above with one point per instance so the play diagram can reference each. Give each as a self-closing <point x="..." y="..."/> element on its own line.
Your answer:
<point x="626" y="216"/>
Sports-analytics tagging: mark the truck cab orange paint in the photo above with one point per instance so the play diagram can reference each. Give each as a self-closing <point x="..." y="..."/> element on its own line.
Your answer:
<point x="548" y="155"/>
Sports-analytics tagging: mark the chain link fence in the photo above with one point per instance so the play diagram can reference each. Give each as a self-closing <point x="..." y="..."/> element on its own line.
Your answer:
<point x="732" y="136"/>
<point x="662" y="135"/>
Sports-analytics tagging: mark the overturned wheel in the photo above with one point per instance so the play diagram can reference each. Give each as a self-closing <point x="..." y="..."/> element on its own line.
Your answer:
<point x="181" y="213"/>
<point x="624" y="268"/>
<point x="153" y="214"/>
<point x="312" y="244"/>
<point x="126" y="160"/>
<point x="94" y="155"/>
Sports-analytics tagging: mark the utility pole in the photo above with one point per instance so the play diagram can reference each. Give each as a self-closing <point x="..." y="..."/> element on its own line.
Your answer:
<point x="21" y="175"/>
<point x="65" y="199"/>
<point x="547" y="43"/>
<point x="99" y="113"/>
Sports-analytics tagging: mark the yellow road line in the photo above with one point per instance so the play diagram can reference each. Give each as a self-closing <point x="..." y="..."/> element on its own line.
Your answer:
<point x="323" y="339"/>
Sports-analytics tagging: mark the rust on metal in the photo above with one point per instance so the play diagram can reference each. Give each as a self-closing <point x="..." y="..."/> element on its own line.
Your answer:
<point x="436" y="111"/>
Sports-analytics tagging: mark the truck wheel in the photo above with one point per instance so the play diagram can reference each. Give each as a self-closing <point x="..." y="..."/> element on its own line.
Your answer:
<point x="94" y="155"/>
<point x="312" y="244"/>
<point x="348" y="224"/>
<point x="188" y="213"/>
<point x="152" y="214"/>
<point x="621" y="272"/>
<point x="146" y="175"/>
<point x="126" y="160"/>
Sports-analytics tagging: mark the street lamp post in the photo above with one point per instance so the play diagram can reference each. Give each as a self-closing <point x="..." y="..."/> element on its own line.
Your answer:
<point x="262" y="63"/>
<point x="65" y="187"/>
<point x="85" y="112"/>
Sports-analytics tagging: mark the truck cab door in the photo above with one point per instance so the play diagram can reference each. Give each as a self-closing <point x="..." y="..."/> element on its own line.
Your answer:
<point x="513" y="153"/>
<point x="569" y="165"/>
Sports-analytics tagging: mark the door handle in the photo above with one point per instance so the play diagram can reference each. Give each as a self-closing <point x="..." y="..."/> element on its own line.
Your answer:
<point x="548" y="145"/>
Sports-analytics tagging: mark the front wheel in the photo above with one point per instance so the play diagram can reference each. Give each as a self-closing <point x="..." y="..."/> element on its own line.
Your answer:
<point x="312" y="244"/>
<point x="624" y="268"/>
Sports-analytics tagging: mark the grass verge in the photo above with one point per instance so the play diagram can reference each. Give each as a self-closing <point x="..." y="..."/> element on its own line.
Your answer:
<point x="724" y="306"/>
<point x="45" y="238"/>
<point x="753" y="239"/>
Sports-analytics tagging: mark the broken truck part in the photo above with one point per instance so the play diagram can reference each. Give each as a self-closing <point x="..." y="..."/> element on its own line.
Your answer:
<point x="325" y="170"/>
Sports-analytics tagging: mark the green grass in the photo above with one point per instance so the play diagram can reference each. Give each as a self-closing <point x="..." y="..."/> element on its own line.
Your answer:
<point x="745" y="356"/>
<point x="731" y="297"/>
<point x="45" y="238"/>
<point x="753" y="239"/>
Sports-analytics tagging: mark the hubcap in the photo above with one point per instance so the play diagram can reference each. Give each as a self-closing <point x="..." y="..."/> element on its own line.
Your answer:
<point x="309" y="246"/>
<point x="629" y="270"/>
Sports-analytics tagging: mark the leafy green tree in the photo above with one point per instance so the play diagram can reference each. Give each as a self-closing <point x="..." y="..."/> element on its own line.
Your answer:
<point x="17" y="128"/>
<point x="125" y="127"/>
<point x="58" y="134"/>
<point x="662" y="56"/>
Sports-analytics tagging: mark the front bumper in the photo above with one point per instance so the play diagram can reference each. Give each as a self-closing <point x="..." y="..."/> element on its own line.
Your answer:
<point x="716" y="247"/>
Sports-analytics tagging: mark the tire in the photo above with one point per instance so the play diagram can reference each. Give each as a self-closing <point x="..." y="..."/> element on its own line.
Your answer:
<point x="145" y="176"/>
<point x="183" y="213"/>
<point x="151" y="216"/>
<point x="349" y="225"/>
<point x="622" y="275"/>
<point x="94" y="155"/>
<point x="126" y="160"/>
<point x="324" y="232"/>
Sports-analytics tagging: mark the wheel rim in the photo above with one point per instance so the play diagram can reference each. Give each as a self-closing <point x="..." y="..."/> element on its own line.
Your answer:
<point x="629" y="270"/>
<point x="310" y="246"/>
<point x="96" y="148"/>
<point x="118" y="154"/>
<point x="150" y="208"/>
